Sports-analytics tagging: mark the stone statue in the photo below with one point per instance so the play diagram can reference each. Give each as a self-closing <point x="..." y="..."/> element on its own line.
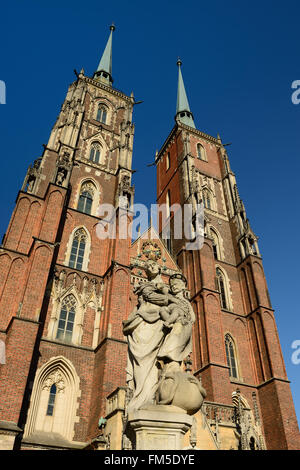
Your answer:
<point x="60" y="177"/>
<point x="159" y="334"/>
<point x="144" y="329"/>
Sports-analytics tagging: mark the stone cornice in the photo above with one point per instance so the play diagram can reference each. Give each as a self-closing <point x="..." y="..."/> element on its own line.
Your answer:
<point x="111" y="90"/>
<point x="93" y="165"/>
<point x="205" y="136"/>
<point x="180" y="126"/>
<point x="9" y="427"/>
<point x="78" y="271"/>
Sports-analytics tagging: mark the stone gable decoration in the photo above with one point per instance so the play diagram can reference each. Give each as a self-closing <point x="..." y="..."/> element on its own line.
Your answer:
<point x="151" y="250"/>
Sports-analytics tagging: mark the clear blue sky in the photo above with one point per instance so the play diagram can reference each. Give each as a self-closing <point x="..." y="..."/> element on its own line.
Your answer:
<point x="239" y="60"/>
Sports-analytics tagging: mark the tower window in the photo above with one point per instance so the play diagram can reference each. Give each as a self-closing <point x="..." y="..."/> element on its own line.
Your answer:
<point x="51" y="401"/>
<point x="206" y="200"/>
<point x="230" y="356"/>
<point x="200" y="152"/>
<point x="215" y="245"/>
<point x="101" y="114"/>
<point x="85" y="200"/>
<point x="244" y="248"/>
<point x="253" y="247"/>
<point x="66" y="318"/>
<point x="166" y="235"/>
<point x="95" y="153"/>
<point x="168" y="203"/>
<point x="221" y="288"/>
<point x="77" y="251"/>
<point x="168" y="161"/>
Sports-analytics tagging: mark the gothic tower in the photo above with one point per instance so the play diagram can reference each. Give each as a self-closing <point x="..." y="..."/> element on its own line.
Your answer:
<point x="63" y="290"/>
<point x="66" y="286"/>
<point x="236" y="346"/>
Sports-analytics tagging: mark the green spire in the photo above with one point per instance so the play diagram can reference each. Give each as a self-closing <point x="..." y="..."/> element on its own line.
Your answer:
<point x="104" y="70"/>
<point x="183" y="112"/>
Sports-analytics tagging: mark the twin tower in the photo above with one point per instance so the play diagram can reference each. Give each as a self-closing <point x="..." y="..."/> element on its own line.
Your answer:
<point x="64" y="292"/>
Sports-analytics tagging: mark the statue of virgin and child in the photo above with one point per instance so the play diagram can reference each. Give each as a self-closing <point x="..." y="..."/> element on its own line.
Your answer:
<point x="159" y="334"/>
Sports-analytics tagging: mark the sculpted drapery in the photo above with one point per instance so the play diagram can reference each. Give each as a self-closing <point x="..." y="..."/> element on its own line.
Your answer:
<point x="158" y="331"/>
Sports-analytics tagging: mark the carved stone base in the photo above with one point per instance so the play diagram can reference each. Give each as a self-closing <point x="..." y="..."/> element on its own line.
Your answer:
<point x="159" y="428"/>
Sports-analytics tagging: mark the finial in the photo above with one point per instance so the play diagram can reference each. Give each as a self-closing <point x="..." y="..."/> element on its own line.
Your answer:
<point x="112" y="27"/>
<point x="179" y="63"/>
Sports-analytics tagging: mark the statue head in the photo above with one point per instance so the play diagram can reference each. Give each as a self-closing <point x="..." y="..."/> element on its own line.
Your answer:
<point x="152" y="269"/>
<point x="178" y="283"/>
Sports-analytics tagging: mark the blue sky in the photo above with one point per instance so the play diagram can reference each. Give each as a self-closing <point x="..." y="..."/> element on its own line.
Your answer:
<point x="239" y="61"/>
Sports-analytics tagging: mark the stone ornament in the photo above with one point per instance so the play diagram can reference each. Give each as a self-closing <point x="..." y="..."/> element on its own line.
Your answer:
<point x="57" y="379"/>
<point x="151" y="250"/>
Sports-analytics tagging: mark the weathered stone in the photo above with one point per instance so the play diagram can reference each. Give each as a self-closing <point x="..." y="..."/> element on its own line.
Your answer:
<point x="157" y="429"/>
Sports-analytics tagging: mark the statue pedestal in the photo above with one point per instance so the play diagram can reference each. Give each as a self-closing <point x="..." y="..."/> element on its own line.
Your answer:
<point x="159" y="427"/>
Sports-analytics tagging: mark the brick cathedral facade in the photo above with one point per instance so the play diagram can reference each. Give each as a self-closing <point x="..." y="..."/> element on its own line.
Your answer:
<point x="64" y="292"/>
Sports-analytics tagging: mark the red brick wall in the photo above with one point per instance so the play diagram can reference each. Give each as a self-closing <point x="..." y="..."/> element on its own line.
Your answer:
<point x="252" y="327"/>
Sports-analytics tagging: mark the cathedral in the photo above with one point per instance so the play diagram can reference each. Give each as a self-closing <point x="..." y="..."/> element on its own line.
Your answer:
<point x="65" y="292"/>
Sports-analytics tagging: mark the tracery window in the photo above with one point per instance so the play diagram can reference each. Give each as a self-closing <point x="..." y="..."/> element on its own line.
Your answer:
<point x="51" y="401"/>
<point x="78" y="248"/>
<point x="95" y="152"/>
<point x="85" y="200"/>
<point x="215" y="245"/>
<point x="221" y="288"/>
<point x="200" y="152"/>
<point x="66" y="318"/>
<point x="231" y="356"/>
<point x="101" y="114"/>
<point x="54" y="399"/>
<point x="206" y="199"/>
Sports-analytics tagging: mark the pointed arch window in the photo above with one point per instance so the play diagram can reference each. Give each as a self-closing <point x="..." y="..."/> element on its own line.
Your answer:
<point x="78" y="248"/>
<point x="54" y="399"/>
<point x="167" y="239"/>
<point x="66" y="318"/>
<point x="215" y="245"/>
<point x="231" y="356"/>
<point x="253" y="246"/>
<point x="221" y="288"/>
<point x="206" y="199"/>
<point x="200" y="152"/>
<point x="244" y="248"/>
<point x="95" y="152"/>
<point x="85" y="200"/>
<point x="101" y="114"/>
<point x="51" y="401"/>
<point x="168" y="161"/>
<point x="168" y="203"/>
